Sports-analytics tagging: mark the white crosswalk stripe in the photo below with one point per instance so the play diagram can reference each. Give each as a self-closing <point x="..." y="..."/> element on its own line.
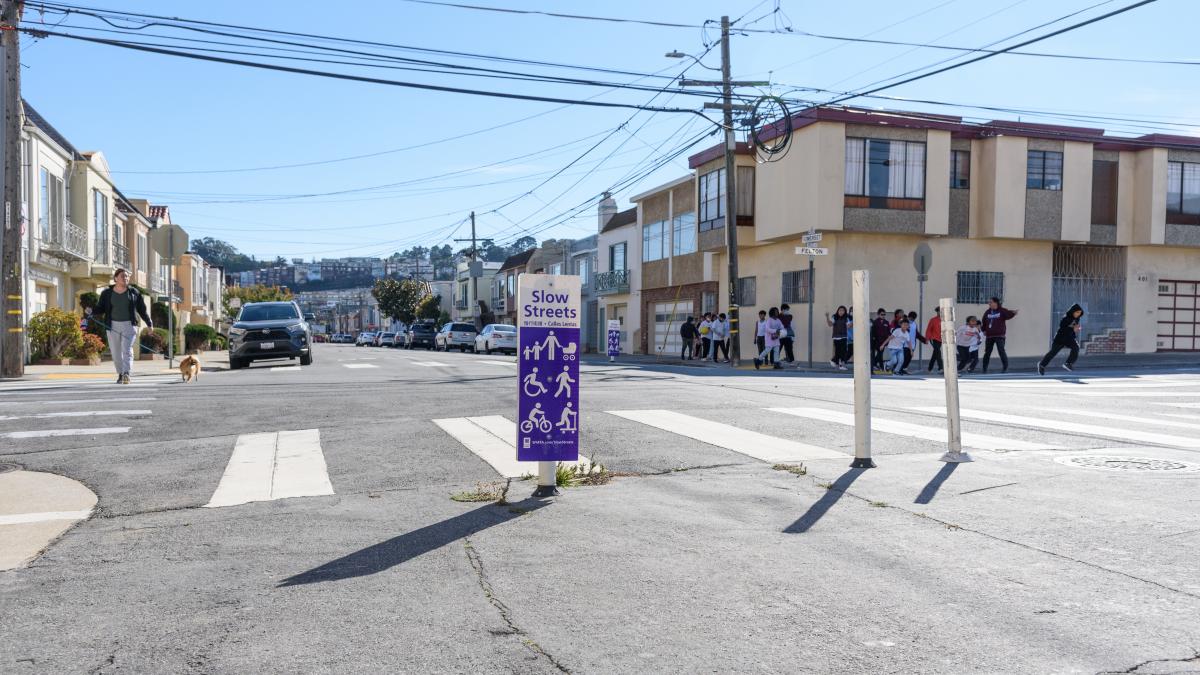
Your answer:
<point x="928" y="433"/>
<point x="1121" y="393"/>
<point x="1153" y="421"/>
<point x="359" y="365"/>
<point x="493" y="439"/>
<point x="81" y="413"/>
<point x="1174" y="404"/>
<point x="428" y="363"/>
<point x="285" y="369"/>
<point x="75" y="401"/>
<point x="743" y="441"/>
<point x="1074" y="427"/>
<point x="47" y="433"/>
<point x="275" y="465"/>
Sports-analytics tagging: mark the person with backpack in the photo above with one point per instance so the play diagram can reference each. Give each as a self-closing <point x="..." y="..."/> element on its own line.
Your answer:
<point x="773" y="332"/>
<point x="1067" y="337"/>
<point x="914" y="336"/>
<point x="688" y="333"/>
<point x="933" y="333"/>
<point x="121" y="305"/>
<point x="995" y="331"/>
<point x="838" y="322"/>
<point x="705" y="335"/>
<point x="788" y="341"/>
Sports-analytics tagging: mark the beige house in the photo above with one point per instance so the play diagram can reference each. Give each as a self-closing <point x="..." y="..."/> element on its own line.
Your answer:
<point x="1042" y="216"/>
<point x="618" y="279"/>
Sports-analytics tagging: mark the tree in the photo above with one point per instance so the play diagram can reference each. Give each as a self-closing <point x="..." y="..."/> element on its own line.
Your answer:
<point x="248" y="294"/>
<point x="398" y="298"/>
<point x="442" y="257"/>
<point x="430" y="307"/>
<point x="523" y="244"/>
<point x="223" y="254"/>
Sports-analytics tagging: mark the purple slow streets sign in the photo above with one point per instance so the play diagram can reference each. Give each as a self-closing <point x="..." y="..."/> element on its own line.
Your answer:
<point x="548" y="352"/>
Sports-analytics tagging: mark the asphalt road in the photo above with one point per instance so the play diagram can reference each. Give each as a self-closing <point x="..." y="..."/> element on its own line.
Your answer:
<point x="1068" y="545"/>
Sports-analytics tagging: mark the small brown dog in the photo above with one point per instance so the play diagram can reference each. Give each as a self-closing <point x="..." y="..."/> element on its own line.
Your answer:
<point x="189" y="368"/>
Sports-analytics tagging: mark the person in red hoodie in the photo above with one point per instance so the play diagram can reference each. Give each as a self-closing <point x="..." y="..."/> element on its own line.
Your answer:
<point x="995" y="330"/>
<point x="933" y="331"/>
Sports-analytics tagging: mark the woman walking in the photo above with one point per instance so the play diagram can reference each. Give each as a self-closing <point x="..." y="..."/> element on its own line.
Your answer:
<point x="772" y="332"/>
<point x="838" y="322"/>
<point x="1067" y="337"/>
<point x="995" y="331"/>
<point x="122" y="305"/>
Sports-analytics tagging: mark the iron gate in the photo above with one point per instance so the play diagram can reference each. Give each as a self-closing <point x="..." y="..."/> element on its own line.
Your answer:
<point x="1094" y="277"/>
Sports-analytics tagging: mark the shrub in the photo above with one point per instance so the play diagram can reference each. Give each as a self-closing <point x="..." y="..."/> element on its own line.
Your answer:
<point x="219" y="342"/>
<point x="89" y="300"/>
<point x="154" y="341"/>
<point x="159" y="313"/>
<point x="197" y="335"/>
<point x="54" y="333"/>
<point x="88" y="347"/>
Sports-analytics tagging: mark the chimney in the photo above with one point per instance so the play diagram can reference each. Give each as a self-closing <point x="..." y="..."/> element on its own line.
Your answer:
<point x="608" y="209"/>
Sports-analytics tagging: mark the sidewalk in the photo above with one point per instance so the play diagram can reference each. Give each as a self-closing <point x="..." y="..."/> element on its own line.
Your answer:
<point x="211" y="360"/>
<point x="36" y="509"/>
<point x="1017" y="364"/>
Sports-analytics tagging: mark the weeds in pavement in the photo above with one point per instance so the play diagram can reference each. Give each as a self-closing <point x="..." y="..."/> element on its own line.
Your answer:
<point x="485" y="492"/>
<point x="583" y="473"/>
<point x="879" y="505"/>
<point x="797" y="469"/>
<point x="827" y="486"/>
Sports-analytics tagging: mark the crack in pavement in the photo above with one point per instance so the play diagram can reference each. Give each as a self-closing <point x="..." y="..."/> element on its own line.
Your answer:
<point x="505" y="613"/>
<point x="1194" y="658"/>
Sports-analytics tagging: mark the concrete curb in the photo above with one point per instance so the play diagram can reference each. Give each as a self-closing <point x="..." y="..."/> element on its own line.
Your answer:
<point x="35" y="510"/>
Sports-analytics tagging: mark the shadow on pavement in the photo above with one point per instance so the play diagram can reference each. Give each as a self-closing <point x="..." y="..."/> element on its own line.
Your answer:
<point x="826" y="502"/>
<point x="931" y="488"/>
<point x="405" y="547"/>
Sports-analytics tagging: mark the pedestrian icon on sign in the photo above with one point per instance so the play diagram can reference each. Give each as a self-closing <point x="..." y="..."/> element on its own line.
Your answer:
<point x="564" y="382"/>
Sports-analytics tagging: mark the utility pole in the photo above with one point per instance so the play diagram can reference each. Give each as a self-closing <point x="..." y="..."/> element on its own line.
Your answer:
<point x="472" y="272"/>
<point x="12" y="342"/>
<point x="727" y="107"/>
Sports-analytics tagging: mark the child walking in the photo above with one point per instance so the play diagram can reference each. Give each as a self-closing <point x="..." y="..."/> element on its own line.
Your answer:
<point x="895" y="348"/>
<point x="839" y="322"/>
<point x="773" y="331"/>
<point x="1066" y="338"/>
<point x="966" y="339"/>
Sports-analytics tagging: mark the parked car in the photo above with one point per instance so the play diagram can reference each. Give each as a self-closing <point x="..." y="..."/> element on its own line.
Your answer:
<point x="344" y="338"/>
<point x="456" y="335"/>
<point x="497" y="337"/>
<point x="364" y="338"/>
<point x="269" y="330"/>
<point x="320" y="338"/>
<point x="420" y="335"/>
<point x="389" y="339"/>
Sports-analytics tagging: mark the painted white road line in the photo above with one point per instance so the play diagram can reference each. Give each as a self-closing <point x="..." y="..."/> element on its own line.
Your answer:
<point x="1174" y="404"/>
<point x="428" y="363"/>
<point x="77" y="401"/>
<point x="45" y="433"/>
<point x="1152" y="421"/>
<point x="749" y="443"/>
<point x="498" y="363"/>
<point x="1075" y="427"/>
<point x="285" y="369"/>
<point x="23" y="518"/>
<point x="359" y="365"/>
<point x="81" y="413"/>
<point x="493" y="439"/>
<point x="1135" y="394"/>
<point x="929" y="433"/>
<point x="1089" y="384"/>
<point x="273" y="465"/>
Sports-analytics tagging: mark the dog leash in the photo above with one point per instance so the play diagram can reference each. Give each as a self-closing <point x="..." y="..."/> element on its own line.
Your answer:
<point x="90" y="317"/>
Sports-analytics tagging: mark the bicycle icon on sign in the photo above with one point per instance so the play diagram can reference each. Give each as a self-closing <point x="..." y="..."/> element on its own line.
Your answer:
<point x="537" y="417"/>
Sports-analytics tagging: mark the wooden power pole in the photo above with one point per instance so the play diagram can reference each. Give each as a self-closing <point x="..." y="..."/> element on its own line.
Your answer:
<point x="12" y="340"/>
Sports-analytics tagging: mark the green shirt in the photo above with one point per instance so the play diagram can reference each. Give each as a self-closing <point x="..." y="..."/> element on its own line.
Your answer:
<point x="122" y="307"/>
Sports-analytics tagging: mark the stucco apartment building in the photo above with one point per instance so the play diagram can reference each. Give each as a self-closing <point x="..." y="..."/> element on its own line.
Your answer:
<point x="1041" y="215"/>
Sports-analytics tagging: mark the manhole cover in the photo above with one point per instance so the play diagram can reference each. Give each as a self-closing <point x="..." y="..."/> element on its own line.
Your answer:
<point x="1118" y="463"/>
<point x="5" y="468"/>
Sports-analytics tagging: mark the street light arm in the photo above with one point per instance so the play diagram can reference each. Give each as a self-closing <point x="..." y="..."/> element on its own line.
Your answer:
<point x="676" y="54"/>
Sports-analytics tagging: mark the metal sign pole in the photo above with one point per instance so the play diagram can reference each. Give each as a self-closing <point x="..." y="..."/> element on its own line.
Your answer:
<point x="950" y="361"/>
<point x="862" y="378"/>
<point x="811" y="301"/>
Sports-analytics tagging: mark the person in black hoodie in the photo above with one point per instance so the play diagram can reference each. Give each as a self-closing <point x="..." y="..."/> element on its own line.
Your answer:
<point x="1067" y="337"/>
<point x="689" y="334"/>
<point x="121" y="305"/>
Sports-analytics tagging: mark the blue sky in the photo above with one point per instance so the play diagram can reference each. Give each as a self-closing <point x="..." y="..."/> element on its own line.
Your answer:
<point x="154" y="116"/>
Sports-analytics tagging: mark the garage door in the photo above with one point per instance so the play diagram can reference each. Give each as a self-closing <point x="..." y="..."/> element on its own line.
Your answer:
<point x="668" y="317"/>
<point x="1178" y="316"/>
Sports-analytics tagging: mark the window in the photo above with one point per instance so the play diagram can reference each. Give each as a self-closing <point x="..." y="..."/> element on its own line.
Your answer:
<point x="512" y="283"/>
<point x="100" y="214"/>
<point x="582" y="268"/>
<point x="712" y="200"/>
<point x="1044" y="170"/>
<point x="683" y="233"/>
<point x="654" y="241"/>
<point x="796" y="287"/>
<point x="1183" y="188"/>
<point x="556" y="268"/>
<point x="142" y="264"/>
<point x="960" y="169"/>
<point x="976" y="288"/>
<point x="50" y="207"/>
<point x="747" y="290"/>
<point x="616" y="257"/>
<point x="878" y="168"/>
<point x="708" y="302"/>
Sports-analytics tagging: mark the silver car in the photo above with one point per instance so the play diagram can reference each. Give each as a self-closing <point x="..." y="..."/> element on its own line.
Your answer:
<point x="497" y="337"/>
<point x="459" y="336"/>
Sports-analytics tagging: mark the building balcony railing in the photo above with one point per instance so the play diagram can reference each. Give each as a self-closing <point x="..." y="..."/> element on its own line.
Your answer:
<point x="64" y="240"/>
<point x="177" y="294"/>
<point x="120" y="255"/>
<point x="460" y="304"/>
<point x="499" y="304"/>
<point x="609" y="283"/>
<point x="103" y="256"/>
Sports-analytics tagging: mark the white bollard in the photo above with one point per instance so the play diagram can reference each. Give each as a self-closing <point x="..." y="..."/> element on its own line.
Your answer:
<point x="950" y="364"/>
<point x="862" y="374"/>
<point x="547" y="480"/>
